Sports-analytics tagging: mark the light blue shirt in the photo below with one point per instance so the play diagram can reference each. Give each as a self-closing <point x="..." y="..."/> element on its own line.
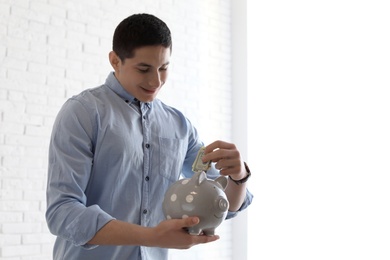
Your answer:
<point x="113" y="158"/>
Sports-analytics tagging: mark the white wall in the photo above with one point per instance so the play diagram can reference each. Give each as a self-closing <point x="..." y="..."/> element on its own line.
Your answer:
<point x="53" y="49"/>
<point x="319" y="92"/>
<point x="240" y="112"/>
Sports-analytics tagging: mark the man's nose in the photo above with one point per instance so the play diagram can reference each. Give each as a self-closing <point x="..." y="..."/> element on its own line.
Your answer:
<point x="155" y="80"/>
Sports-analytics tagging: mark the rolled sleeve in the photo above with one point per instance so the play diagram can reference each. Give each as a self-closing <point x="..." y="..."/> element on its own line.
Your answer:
<point x="84" y="227"/>
<point x="70" y="161"/>
<point x="245" y="204"/>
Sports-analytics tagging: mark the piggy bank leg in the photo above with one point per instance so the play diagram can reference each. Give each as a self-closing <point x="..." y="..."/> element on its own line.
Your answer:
<point x="194" y="231"/>
<point x="209" y="232"/>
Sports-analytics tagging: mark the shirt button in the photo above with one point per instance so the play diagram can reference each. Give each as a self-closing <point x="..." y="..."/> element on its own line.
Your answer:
<point x="145" y="211"/>
<point x="147" y="145"/>
<point x="147" y="178"/>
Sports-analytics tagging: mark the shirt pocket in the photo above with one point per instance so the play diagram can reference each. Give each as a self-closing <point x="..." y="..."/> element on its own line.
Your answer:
<point x="171" y="153"/>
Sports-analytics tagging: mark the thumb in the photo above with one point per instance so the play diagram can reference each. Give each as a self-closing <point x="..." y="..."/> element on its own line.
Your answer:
<point x="191" y="221"/>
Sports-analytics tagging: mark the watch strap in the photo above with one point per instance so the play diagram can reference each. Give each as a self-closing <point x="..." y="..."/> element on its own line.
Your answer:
<point x="245" y="179"/>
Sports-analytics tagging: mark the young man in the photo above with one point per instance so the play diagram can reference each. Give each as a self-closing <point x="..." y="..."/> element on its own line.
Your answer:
<point x="116" y="149"/>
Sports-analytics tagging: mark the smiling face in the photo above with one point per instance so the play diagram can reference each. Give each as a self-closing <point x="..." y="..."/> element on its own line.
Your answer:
<point x="144" y="73"/>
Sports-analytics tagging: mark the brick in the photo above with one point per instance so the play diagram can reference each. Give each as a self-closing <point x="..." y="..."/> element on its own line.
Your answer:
<point x="38" y="109"/>
<point x="11" y="217"/>
<point x="92" y="48"/>
<point x="7" y="194"/>
<point x="7" y="127"/>
<point x="6" y="240"/>
<point x="36" y="151"/>
<point x="56" y="86"/>
<point x="26" y="184"/>
<point x="17" y="19"/>
<point x="84" y="15"/>
<point x="39" y="98"/>
<point x="24" y="118"/>
<point x="42" y="256"/>
<point x="5" y="9"/>
<point x="6" y="105"/>
<point x="56" y="102"/>
<point x="15" y="53"/>
<point x="38" y="172"/>
<point x="21" y="228"/>
<point x="10" y="258"/>
<point x="43" y="206"/>
<point x="17" y="96"/>
<point x="48" y="9"/>
<point x="24" y="80"/>
<point x="36" y="195"/>
<point x="11" y="162"/>
<point x="20" y="3"/>
<point x="14" y="63"/>
<point x="13" y="139"/>
<point x="75" y="26"/>
<point x="25" y="250"/>
<point x="14" y="206"/>
<point x="57" y="22"/>
<point x="38" y="238"/>
<point x="41" y="68"/>
<point x="3" y="94"/>
<point x="47" y="249"/>
<point x="34" y="130"/>
<point x="37" y="27"/>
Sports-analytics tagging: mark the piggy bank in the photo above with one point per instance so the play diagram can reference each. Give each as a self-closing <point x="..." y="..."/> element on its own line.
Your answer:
<point x="200" y="197"/>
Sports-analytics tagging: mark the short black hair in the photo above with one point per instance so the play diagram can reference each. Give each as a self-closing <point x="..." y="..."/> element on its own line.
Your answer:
<point x="139" y="30"/>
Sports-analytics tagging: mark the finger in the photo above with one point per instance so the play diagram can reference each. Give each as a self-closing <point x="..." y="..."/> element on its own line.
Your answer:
<point x="215" y="155"/>
<point x="228" y="171"/>
<point x="228" y="164"/>
<point x="222" y="155"/>
<point x="218" y="145"/>
<point x="190" y="221"/>
<point x="206" y="239"/>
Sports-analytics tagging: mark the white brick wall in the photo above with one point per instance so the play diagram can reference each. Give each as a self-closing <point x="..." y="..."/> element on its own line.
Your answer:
<point x="53" y="49"/>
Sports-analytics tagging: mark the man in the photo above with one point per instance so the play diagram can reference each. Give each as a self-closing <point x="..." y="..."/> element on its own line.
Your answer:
<point x="116" y="149"/>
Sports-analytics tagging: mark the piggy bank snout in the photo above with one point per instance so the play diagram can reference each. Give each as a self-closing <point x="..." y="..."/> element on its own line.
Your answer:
<point x="221" y="206"/>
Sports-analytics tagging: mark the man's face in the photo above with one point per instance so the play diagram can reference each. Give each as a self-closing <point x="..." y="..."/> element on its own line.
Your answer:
<point x="144" y="74"/>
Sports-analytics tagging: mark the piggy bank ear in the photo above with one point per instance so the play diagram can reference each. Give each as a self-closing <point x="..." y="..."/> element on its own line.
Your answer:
<point x="222" y="181"/>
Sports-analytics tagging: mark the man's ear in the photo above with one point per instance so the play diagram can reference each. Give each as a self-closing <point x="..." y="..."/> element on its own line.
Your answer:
<point x="114" y="60"/>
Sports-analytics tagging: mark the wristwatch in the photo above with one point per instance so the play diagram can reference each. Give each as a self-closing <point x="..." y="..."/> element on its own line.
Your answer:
<point x="245" y="179"/>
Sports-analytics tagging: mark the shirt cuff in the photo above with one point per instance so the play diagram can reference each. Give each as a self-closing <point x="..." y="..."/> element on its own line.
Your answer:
<point x="245" y="204"/>
<point x="84" y="227"/>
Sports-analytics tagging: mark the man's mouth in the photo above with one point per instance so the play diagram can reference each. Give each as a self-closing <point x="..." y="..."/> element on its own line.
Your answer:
<point x="149" y="91"/>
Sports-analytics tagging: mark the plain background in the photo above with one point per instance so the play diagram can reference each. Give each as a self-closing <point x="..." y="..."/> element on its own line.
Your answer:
<point x="319" y="91"/>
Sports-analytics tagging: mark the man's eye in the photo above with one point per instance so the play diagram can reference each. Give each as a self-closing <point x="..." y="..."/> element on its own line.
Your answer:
<point x="143" y="70"/>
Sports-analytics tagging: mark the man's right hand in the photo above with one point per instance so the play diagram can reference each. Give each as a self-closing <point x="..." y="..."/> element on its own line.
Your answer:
<point x="173" y="234"/>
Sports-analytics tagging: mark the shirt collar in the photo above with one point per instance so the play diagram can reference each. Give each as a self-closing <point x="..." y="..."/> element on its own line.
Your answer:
<point x="113" y="83"/>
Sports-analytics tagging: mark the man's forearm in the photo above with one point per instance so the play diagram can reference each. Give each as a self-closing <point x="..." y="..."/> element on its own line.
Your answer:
<point x="118" y="232"/>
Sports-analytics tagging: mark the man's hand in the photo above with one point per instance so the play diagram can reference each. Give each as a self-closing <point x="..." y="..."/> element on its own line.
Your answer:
<point x="227" y="159"/>
<point x="173" y="234"/>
